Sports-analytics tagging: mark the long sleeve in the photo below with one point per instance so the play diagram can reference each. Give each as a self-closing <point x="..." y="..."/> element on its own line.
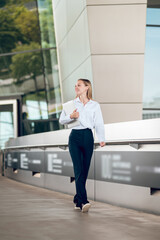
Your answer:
<point x="65" y="119"/>
<point x="99" y="124"/>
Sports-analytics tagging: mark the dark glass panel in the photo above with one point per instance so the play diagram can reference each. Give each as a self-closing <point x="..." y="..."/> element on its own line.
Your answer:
<point x="35" y="115"/>
<point x="39" y="126"/>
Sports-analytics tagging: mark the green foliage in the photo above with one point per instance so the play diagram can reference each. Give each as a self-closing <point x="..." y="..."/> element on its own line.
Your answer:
<point x="4" y="70"/>
<point x="9" y="33"/>
<point x="27" y="64"/>
<point x="19" y="32"/>
<point x="27" y="22"/>
<point x="18" y="25"/>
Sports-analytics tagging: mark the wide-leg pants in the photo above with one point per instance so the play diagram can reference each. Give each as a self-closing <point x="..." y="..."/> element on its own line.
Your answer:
<point x="81" y="144"/>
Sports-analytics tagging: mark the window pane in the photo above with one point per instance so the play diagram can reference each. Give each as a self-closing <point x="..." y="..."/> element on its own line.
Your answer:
<point x="6" y="124"/>
<point x="35" y="105"/>
<point x="52" y="82"/>
<point x="19" y="25"/>
<point x="153" y="16"/>
<point x="26" y="68"/>
<point x="51" y="68"/>
<point x="151" y="93"/>
<point x="151" y="97"/>
<point x="46" y="23"/>
<point x="21" y="73"/>
<point x="35" y="115"/>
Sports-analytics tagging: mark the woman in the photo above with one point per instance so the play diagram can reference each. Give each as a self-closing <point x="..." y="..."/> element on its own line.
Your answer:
<point x="81" y="142"/>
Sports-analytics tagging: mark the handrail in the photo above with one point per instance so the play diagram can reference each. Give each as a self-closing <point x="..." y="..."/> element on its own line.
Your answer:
<point x="34" y="146"/>
<point x="111" y="142"/>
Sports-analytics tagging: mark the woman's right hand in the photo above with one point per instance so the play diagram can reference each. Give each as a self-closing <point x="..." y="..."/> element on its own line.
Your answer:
<point x="74" y="115"/>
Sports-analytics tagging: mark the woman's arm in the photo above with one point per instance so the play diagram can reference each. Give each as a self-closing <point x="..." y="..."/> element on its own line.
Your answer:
<point x="99" y="125"/>
<point x="65" y="119"/>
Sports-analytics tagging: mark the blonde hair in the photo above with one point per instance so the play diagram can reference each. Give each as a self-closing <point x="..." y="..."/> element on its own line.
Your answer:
<point x="87" y="83"/>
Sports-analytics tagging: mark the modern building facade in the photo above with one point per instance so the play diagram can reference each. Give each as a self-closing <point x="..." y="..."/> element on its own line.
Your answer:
<point x="47" y="45"/>
<point x="116" y="45"/>
<point x="103" y="41"/>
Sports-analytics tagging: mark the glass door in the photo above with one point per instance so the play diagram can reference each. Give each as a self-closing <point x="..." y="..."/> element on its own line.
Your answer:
<point x="8" y="121"/>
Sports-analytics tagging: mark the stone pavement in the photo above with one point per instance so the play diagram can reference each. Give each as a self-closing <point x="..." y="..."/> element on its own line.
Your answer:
<point x="32" y="213"/>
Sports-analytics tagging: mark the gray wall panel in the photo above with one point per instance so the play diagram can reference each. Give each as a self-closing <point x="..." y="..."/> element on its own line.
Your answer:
<point x="25" y="177"/>
<point x="59" y="183"/>
<point x="133" y="168"/>
<point x="139" y="168"/>
<point x="129" y="196"/>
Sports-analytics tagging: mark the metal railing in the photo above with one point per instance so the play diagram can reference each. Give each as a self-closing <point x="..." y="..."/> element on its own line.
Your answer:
<point x="96" y="144"/>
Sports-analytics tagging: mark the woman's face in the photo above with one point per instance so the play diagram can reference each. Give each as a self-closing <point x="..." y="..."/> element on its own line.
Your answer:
<point x="80" y="88"/>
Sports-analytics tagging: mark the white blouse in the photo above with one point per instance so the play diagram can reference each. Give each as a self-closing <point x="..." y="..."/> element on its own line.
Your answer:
<point x="90" y="116"/>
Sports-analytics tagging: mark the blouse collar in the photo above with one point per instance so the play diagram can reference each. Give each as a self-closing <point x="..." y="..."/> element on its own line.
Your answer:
<point x="78" y="100"/>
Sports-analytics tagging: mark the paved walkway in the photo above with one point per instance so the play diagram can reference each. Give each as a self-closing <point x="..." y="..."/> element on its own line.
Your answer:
<point x="32" y="213"/>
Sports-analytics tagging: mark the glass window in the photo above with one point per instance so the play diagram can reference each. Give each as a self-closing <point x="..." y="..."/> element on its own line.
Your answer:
<point x="54" y="108"/>
<point x="151" y="93"/>
<point x="28" y="62"/>
<point x="52" y="83"/>
<point x="19" y="25"/>
<point x="21" y="73"/>
<point x="153" y="16"/>
<point x="35" y="106"/>
<point x="46" y="23"/>
<point x="36" y="117"/>
<point x="6" y="124"/>
<point x="152" y="70"/>
<point x="51" y="68"/>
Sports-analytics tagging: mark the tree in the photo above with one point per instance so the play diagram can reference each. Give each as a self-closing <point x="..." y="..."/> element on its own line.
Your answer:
<point x="26" y="64"/>
<point x="9" y="33"/>
<point x="17" y="25"/>
<point x="12" y="33"/>
<point x="27" y="22"/>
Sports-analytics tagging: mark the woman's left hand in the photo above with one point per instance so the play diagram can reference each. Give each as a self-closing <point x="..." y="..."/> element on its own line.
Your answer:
<point x="102" y="144"/>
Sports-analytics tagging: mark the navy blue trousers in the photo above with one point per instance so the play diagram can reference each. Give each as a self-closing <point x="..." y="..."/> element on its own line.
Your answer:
<point x="81" y="144"/>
